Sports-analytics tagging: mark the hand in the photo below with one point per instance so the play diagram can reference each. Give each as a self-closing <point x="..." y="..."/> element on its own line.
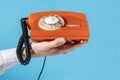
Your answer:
<point x="49" y="48"/>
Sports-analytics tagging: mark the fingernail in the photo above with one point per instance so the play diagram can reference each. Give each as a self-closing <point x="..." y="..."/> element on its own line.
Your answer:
<point x="82" y="41"/>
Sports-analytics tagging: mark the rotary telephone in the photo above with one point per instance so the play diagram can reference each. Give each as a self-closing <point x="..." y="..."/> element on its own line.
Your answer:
<point x="49" y="25"/>
<point x="52" y="24"/>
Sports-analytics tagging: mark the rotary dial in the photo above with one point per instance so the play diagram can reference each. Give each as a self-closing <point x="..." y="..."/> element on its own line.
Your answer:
<point x="51" y="22"/>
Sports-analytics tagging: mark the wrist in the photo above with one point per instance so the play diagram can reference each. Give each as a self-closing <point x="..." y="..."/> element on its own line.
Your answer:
<point x="31" y="52"/>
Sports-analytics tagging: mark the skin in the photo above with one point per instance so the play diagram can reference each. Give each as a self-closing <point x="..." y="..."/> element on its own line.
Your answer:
<point x="55" y="47"/>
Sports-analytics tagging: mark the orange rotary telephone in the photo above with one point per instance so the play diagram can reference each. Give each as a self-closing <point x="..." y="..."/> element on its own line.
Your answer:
<point x="50" y="25"/>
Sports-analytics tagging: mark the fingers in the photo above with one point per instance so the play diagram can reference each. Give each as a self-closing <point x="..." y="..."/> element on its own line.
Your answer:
<point x="56" y="43"/>
<point x="69" y="47"/>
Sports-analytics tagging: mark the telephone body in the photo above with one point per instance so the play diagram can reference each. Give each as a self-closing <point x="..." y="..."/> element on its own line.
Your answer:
<point x="53" y="24"/>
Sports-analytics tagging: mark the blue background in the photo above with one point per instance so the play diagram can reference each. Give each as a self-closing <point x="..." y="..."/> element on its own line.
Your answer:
<point x="98" y="60"/>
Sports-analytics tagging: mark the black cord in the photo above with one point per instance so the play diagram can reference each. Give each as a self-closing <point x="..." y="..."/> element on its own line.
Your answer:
<point x="42" y="68"/>
<point x="24" y="40"/>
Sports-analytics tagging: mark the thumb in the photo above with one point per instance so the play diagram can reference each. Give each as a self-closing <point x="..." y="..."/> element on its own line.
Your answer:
<point x="56" y="43"/>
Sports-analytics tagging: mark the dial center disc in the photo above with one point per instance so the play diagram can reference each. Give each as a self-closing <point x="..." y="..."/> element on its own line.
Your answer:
<point x="51" y="20"/>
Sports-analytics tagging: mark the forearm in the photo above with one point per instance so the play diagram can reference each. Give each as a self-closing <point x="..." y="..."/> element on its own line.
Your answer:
<point x="8" y="59"/>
